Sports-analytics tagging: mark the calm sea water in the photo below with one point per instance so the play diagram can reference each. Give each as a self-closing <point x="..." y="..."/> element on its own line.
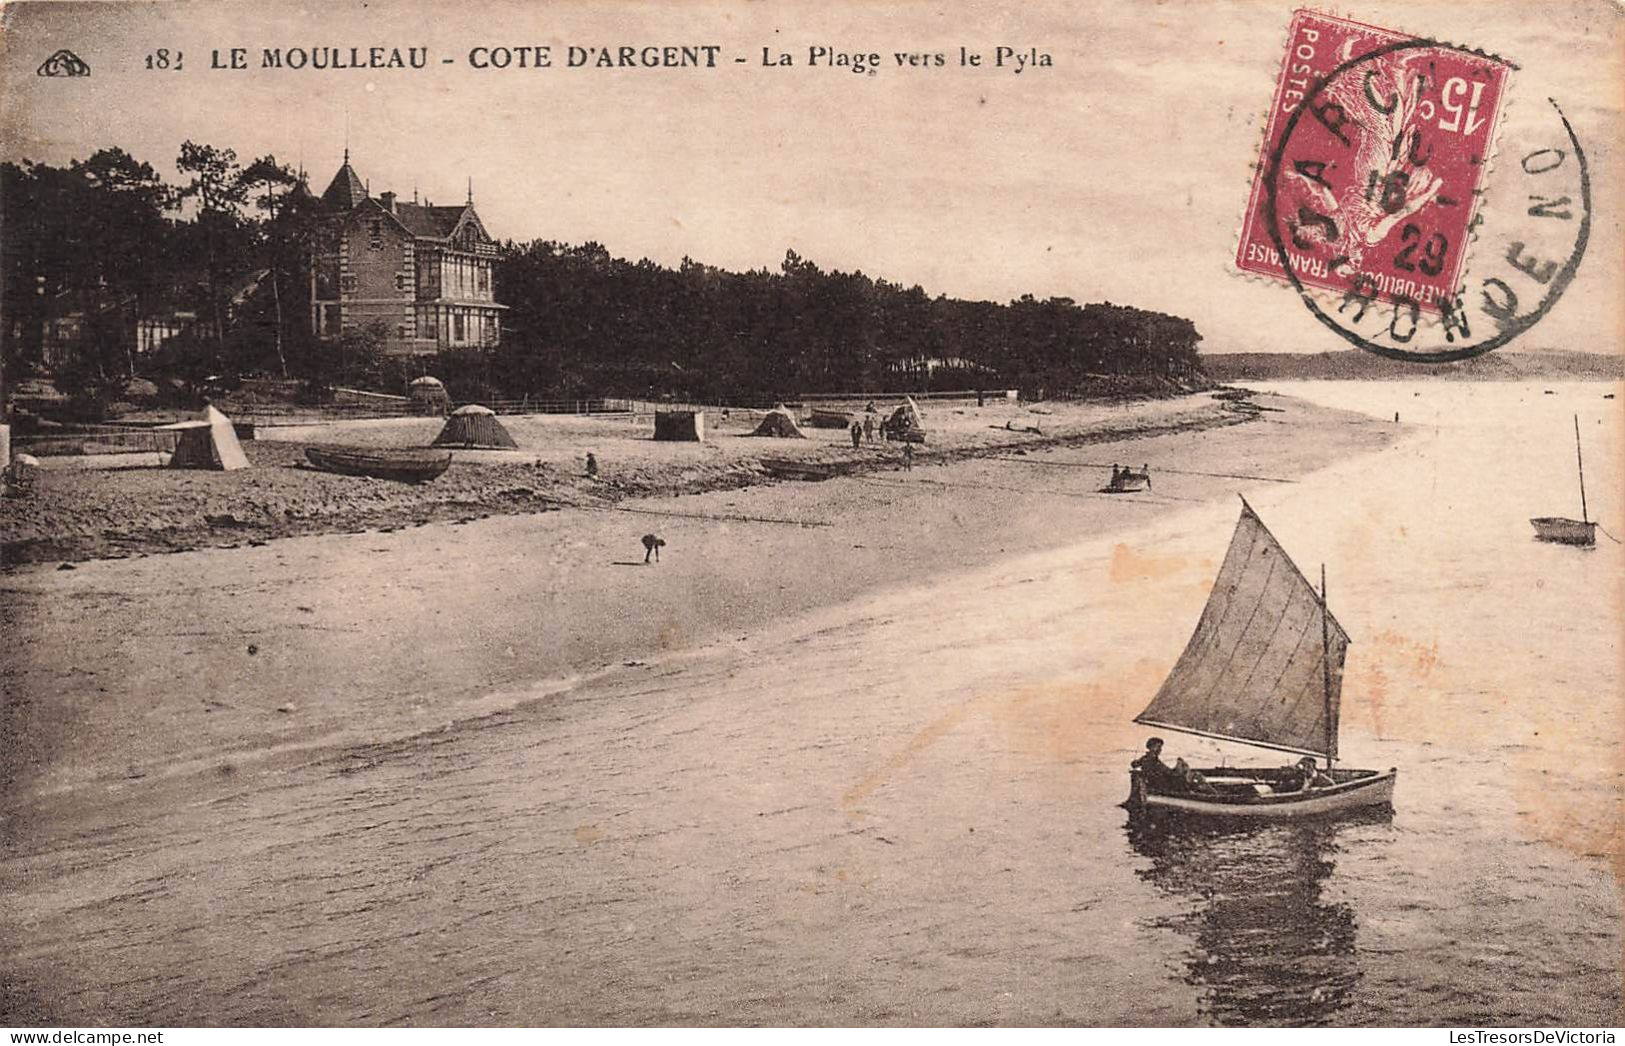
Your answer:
<point x="1487" y="667"/>
<point x="904" y="810"/>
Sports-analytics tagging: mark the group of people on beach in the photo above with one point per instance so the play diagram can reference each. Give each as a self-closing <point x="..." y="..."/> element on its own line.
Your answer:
<point x="863" y="431"/>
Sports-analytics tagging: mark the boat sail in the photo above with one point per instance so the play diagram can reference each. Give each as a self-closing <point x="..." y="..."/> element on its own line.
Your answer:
<point x="1565" y="531"/>
<point x="1264" y="667"/>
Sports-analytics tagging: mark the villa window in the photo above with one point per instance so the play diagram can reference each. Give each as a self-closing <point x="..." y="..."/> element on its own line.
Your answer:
<point x="375" y="235"/>
<point x="327" y="279"/>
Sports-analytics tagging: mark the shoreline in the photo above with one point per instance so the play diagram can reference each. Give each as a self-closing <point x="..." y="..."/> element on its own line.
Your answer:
<point x="155" y="510"/>
<point x="136" y="670"/>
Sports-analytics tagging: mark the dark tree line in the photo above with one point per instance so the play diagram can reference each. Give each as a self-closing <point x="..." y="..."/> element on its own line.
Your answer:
<point x="581" y="322"/>
<point x="107" y="241"/>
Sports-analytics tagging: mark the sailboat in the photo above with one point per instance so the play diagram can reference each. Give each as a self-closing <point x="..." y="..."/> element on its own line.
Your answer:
<point x="1580" y="531"/>
<point x="1264" y="667"/>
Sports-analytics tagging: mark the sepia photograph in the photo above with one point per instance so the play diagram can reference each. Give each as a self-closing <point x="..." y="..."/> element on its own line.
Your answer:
<point x="741" y="513"/>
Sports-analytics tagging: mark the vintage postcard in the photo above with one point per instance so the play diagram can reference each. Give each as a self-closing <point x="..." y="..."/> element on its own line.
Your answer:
<point x="622" y="514"/>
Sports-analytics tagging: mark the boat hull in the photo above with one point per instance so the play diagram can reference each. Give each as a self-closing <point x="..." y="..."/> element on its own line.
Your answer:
<point x="787" y="468"/>
<point x="829" y="419"/>
<point x="401" y="466"/>
<point x="1127" y="483"/>
<point x="1355" y="790"/>
<point x="1565" y="531"/>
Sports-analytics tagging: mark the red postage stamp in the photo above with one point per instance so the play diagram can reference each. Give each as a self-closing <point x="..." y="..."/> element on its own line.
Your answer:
<point x="1373" y="162"/>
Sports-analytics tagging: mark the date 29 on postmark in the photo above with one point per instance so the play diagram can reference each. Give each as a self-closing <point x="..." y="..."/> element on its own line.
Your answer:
<point x="1371" y="189"/>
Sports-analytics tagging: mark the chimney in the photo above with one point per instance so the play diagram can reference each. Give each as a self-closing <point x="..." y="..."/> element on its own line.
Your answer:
<point x="388" y="200"/>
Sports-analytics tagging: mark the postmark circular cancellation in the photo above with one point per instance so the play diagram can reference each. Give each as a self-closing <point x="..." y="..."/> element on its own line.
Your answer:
<point x="1376" y="190"/>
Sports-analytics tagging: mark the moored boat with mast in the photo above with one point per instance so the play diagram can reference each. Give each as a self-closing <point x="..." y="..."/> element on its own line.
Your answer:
<point x="1562" y="531"/>
<point x="1264" y="667"/>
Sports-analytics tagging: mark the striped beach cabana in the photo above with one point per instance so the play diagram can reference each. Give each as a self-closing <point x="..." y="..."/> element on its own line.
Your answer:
<point x="474" y="426"/>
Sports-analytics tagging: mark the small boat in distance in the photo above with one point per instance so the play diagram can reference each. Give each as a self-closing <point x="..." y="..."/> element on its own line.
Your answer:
<point x="1126" y="481"/>
<point x="410" y="465"/>
<point x="1580" y="532"/>
<point x="1253" y="673"/>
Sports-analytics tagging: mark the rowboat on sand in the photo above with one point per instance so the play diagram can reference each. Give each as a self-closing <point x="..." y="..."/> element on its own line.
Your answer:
<point x="790" y="468"/>
<point x="1581" y="532"/>
<point x="1254" y="672"/>
<point x="830" y="419"/>
<point x="407" y="465"/>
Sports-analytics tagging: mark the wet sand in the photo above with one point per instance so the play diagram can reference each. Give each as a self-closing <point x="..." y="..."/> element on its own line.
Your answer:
<point x="208" y="751"/>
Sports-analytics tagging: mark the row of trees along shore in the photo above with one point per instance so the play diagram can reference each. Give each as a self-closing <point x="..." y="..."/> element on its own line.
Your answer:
<point x="107" y="239"/>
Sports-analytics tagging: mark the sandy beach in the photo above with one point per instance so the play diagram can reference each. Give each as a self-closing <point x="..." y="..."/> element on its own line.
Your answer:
<point x="77" y="513"/>
<point x="148" y="692"/>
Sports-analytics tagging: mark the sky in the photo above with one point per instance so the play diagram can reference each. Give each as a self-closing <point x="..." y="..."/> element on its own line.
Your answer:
<point x="1118" y="172"/>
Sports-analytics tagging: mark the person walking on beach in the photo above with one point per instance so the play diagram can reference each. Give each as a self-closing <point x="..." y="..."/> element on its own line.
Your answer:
<point x="869" y="428"/>
<point x="908" y="457"/>
<point x="592" y="465"/>
<point x="652" y="546"/>
<point x="857" y="435"/>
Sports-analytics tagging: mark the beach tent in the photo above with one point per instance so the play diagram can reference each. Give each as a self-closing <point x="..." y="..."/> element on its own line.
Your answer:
<point x="779" y="422"/>
<point x="428" y="395"/>
<point x="680" y="426"/>
<point x="208" y="443"/>
<point x="905" y="423"/>
<point x="474" y="426"/>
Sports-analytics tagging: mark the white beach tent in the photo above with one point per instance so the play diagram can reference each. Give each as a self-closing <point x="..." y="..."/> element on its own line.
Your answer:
<point x="207" y="443"/>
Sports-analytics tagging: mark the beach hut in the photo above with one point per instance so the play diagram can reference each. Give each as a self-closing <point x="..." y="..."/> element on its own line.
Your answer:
<point x="781" y="423"/>
<point x="680" y="426"/>
<point x="428" y="395"/>
<point x="210" y="442"/>
<point x="905" y="423"/>
<point x="474" y="426"/>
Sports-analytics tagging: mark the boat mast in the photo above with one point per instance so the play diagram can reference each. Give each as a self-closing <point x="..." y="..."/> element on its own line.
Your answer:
<point x="1326" y="672"/>
<point x="1578" y="460"/>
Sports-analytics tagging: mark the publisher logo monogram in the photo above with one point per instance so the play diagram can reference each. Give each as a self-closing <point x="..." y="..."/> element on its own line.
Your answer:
<point x="64" y="63"/>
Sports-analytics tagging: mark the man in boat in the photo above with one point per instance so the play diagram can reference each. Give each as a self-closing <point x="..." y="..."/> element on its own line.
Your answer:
<point x="1158" y="776"/>
<point x="1162" y="779"/>
<point x="1307" y="776"/>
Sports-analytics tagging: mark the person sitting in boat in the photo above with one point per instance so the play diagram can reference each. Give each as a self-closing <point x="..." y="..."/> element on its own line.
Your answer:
<point x="1189" y="780"/>
<point x="1164" y="779"/>
<point x="1306" y="775"/>
<point x="1158" y="776"/>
